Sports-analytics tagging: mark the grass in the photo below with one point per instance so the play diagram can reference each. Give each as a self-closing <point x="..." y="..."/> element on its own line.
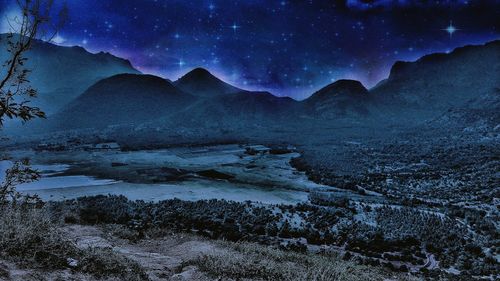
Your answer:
<point x="250" y="261"/>
<point x="31" y="239"/>
<point x="28" y="237"/>
<point x="102" y="262"/>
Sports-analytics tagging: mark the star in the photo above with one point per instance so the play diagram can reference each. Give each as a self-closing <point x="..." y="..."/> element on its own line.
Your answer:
<point x="234" y="27"/>
<point x="282" y="37"/>
<point x="181" y="63"/>
<point x="450" y="29"/>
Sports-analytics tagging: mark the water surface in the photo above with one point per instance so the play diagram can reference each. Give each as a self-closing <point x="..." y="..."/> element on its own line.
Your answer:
<point x="262" y="177"/>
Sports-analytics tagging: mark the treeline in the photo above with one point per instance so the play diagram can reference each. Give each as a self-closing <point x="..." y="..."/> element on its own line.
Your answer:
<point x="401" y="235"/>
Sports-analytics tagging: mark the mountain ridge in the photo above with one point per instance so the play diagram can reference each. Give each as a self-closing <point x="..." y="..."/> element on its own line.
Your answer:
<point x="415" y="92"/>
<point x="422" y="89"/>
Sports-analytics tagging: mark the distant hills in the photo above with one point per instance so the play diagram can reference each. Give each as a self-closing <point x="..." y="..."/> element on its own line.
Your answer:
<point x="457" y="84"/>
<point x="135" y="99"/>
<point x="61" y="74"/>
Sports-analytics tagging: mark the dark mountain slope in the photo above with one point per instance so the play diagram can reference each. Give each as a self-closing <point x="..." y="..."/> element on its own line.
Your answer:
<point x="481" y="114"/>
<point x="235" y="109"/>
<point x="122" y="99"/>
<point x="438" y="82"/>
<point x="339" y="99"/>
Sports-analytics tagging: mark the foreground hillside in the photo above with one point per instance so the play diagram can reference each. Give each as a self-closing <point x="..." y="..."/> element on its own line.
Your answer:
<point x="115" y="252"/>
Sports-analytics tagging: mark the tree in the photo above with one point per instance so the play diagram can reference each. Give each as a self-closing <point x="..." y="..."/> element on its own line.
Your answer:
<point x="16" y="92"/>
<point x="20" y="172"/>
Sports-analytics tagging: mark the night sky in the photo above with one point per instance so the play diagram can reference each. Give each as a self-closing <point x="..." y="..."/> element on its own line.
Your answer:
<point x="287" y="47"/>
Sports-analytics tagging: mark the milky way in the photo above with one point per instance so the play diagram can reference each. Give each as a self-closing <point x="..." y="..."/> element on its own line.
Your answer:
<point x="287" y="47"/>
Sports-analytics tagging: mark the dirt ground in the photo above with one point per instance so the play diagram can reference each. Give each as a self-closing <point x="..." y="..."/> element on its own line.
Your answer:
<point x="161" y="258"/>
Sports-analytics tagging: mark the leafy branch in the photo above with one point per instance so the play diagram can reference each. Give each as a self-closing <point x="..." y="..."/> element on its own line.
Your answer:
<point x="16" y="91"/>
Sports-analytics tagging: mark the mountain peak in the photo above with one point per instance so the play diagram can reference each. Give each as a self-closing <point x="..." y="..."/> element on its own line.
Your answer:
<point x="200" y="71"/>
<point x="200" y="82"/>
<point x="441" y="81"/>
<point x="343" y="87"/>
<point x="197" y="74"/>
<point x="347" y="84"/>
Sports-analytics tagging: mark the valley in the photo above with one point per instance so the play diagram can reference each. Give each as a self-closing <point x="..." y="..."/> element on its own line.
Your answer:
<point x="421" y="203"/>
<point x="402" y="177"/>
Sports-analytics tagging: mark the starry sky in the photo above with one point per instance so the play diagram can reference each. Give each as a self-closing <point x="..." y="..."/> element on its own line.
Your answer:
<point x="288" y="47"/>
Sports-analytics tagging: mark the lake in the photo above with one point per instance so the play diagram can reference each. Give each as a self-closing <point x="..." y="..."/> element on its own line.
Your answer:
<point x="230" y="172"/>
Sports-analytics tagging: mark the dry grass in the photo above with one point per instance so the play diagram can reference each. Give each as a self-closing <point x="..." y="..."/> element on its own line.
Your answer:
<point x="249" y="261"/>
<point x="102" y="262"/>
<point x="29" y="238"/>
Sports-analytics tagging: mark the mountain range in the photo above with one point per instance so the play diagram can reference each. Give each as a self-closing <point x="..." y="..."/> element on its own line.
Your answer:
<point x="99" y="90"/>
<point x="61" y="74"/>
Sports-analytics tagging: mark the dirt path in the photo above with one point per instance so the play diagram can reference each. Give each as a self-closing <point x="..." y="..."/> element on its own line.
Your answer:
<point x="163" y="258"/>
